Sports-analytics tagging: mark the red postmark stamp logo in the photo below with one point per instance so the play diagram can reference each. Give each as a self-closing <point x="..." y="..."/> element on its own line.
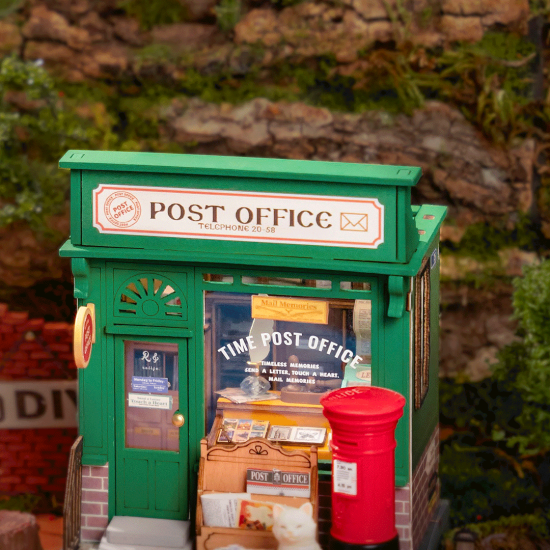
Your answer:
<point x="122" y="209"/>
<point x="87" y="336"/>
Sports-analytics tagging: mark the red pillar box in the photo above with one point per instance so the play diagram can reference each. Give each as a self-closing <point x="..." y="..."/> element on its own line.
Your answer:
<point x="363" y="421"/>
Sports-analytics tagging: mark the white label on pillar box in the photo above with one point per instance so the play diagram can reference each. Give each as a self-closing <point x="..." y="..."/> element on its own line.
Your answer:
<point x="344" y="477"/>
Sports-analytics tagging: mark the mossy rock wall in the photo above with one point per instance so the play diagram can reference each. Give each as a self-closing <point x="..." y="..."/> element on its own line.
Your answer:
<point x="456" y="87"/>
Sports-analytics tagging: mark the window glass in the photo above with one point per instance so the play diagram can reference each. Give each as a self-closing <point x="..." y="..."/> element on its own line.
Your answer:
<point x="299" y="346"/>
<point x="286" y="281"/>
<point x="152" y="362"/>
<point x="151" y="389"/>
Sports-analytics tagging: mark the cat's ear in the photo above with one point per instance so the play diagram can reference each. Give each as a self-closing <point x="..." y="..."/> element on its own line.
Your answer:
<point x="307" y="508"/>
<point x="277" y="510"/>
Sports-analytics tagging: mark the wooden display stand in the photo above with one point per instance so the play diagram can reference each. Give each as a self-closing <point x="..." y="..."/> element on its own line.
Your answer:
<point x="223" y="470"/>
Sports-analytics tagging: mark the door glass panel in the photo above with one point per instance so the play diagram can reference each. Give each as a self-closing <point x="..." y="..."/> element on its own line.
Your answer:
<point x="151" y="390"/>
<point x="298" y="345"/>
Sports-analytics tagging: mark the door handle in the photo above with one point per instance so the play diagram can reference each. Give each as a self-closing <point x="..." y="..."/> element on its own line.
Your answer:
<point x="178" y="419"/>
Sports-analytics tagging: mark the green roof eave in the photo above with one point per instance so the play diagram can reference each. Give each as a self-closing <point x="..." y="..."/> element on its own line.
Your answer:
<point x="429" y="219"/>
<point x="68" y="250"/>
<point x="206" y="165"/>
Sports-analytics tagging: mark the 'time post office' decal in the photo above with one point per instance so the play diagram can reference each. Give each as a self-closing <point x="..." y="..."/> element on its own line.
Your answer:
<point x="238" y="216"/>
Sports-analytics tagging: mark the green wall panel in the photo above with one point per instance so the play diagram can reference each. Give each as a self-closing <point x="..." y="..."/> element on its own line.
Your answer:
<point x="93" y="380"/>
<point x="76" y="206"/>
<point x="136" y="483"/>
<point x="168" y="486"/>
<point x="394" y="357"/>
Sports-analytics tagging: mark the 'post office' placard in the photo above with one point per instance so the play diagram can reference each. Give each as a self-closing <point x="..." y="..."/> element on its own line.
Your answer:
<point x="238" y="216"/>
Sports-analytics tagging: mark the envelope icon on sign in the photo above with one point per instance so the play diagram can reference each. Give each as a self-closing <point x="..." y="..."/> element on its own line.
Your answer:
<point x="353" y="222"/>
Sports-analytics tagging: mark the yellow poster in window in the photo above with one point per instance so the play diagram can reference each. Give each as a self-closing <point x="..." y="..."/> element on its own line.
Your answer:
<point x="290" y="309"/>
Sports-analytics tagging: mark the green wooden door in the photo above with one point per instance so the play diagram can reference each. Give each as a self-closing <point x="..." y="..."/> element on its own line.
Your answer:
<point x="151" y="453"/>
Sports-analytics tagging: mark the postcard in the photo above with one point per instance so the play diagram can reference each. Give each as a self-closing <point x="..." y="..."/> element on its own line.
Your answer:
<point x="234" y="430"/>
<point x="244" y="424"/>
<point x="254" y="515"/>
<point x="240" y="436"/>
<point x="260" y="425"/>
<point x="225" y="436"/>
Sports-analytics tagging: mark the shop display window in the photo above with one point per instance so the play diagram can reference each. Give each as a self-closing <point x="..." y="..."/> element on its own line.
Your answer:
<point x="300" y="346"/>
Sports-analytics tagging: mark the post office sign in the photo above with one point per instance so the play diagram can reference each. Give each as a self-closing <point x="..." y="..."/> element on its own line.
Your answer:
<point x="247" y="216"/>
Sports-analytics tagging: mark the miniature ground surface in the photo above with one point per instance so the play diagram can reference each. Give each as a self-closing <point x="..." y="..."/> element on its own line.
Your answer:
<point x="51" y="531"/>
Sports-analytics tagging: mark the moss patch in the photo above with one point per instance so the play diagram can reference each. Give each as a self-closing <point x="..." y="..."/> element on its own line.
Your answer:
<point x="150" y="13"/>
<point x="482" y="241"/>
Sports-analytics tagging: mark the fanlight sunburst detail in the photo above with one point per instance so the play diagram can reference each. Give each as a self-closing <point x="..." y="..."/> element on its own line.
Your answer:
<point x="150" y="296"/>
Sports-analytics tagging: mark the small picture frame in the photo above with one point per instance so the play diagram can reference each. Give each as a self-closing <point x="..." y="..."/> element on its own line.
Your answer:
<point x="310" y="436"/>
<point x="279" y="433"/>
<point x="299" y="435"/>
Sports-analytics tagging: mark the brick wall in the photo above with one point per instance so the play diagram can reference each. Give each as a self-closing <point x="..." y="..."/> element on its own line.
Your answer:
<point x="325" y="509"/>
<point x="34" y="460"/>
<point x="95" y="497"/>
<point x="425" y="488"/>
<point x="403" y="516"/>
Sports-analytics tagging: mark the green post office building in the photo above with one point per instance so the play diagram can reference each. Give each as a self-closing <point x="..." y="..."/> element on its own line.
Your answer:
<point x="202" y="271"/>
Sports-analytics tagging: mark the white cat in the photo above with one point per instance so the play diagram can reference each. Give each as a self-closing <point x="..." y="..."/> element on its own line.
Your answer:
<point x="294" y="528"/>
